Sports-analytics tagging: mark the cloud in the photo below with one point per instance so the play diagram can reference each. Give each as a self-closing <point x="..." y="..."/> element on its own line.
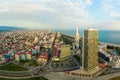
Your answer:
<point x="66" y="7"/>
<point x="60" y="13"/>
<point x="26" y="24"/>
<point x="111" y="7"/>
<point x="89" y="2"/>
<point x="19" y="5"/>
<point x="112" y="10"/>
<point x="113" y="25"/>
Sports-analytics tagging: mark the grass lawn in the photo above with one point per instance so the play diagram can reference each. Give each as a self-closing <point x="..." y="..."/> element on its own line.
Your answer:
<point x="67" y="39"/>
<point x="30" y="62"/>
<point x="35" y="78"/>
<point x="116" y="78"/>
<point x="12" y="67"/>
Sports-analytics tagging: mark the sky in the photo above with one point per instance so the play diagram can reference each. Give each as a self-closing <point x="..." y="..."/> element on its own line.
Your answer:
<point x="61" y="14"/>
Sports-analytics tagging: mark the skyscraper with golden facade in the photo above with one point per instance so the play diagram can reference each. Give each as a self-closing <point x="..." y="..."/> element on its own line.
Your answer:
<point x="90" y="49"/>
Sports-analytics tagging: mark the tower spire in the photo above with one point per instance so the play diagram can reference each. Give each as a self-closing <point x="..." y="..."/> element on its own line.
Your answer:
<point x="77" y="30"/>
<point x="76" y="42"/>
<point x="77" y="35"/>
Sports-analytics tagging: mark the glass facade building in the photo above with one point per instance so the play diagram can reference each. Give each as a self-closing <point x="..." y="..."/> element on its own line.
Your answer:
<point x="90" y="49"/>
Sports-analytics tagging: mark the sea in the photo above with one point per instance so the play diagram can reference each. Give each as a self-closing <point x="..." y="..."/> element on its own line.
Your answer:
<point x="108" y="36"/>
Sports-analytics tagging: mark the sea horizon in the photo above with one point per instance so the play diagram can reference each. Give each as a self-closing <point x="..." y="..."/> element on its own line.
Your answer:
<point x="107" y="36"/>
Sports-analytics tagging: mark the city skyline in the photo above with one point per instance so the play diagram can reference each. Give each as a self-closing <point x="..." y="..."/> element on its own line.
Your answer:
<point x="101" y="14"/>
<point x="46" y="54"/>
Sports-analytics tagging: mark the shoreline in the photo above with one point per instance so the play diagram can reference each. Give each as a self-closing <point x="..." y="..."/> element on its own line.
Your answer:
<point x="112" y="44"/>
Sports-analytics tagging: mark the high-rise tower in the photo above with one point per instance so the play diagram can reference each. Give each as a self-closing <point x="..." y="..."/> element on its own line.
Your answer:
<point x="77" y="35"/>
<point x="90" y="49"/>
<point x="76" y="42"/>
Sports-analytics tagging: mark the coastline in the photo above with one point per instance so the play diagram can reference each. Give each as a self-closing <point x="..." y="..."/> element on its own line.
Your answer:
<point x="112" y="44"/>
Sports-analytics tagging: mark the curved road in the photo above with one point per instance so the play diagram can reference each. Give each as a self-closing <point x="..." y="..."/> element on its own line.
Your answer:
<point x="32" y="72"/>
<point x="107" y="77"/>
<point x="46" y="68"/>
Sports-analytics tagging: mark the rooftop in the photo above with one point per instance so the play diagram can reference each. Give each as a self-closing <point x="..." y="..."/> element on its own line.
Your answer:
<point x="91" y="29"/>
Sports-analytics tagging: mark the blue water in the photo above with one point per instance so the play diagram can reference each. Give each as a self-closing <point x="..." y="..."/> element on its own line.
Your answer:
<point x="3" y="31"/>
<point x="108" y="36"/>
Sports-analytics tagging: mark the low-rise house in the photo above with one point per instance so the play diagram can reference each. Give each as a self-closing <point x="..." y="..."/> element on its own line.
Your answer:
<point x="43" y="58"/>
<point x="37" y="48"/>
<point x="55" y="52"/>
<point x="23" y="56"/>
<point x="6" y="57"/>
<point x="17" y="56"/>
<point x="3" y="60"/>
<point x="34" y="51"/>
<point x="29" y="55"/>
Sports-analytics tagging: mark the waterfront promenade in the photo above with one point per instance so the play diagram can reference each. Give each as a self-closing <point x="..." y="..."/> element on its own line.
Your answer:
<point x="107" y="77"/>
<point x="62" y="76"/>
<point x="54" y="75"/>
<point x="110" y="44"/>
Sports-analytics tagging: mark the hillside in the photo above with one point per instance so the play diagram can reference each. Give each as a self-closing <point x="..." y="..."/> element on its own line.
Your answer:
<point x="10" y="28"/>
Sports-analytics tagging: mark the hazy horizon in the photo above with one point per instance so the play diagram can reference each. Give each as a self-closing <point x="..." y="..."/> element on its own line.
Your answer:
<point x="70" y="29"/>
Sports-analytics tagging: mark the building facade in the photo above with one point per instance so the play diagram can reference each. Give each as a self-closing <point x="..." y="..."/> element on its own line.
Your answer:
<point x="17" y="57"/>
<point x="76" y="42"/>
<point x="90" y="49"/>
<point x="29" y="55"/>
<point x="65" y="51"/>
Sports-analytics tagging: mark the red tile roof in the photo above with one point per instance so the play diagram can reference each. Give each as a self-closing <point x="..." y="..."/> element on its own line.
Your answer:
<point x="101" y="65"/>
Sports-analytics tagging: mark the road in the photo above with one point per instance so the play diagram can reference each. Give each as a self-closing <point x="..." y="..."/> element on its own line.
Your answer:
<point x="50" y="55"/>
<point x="62" y="76"/>
<point x="14" y="73"/>
<point x="32" y="72"/>
<point x="107" y="77"/>
<point x="53" y="75"/>
<point x="47" y="66"/>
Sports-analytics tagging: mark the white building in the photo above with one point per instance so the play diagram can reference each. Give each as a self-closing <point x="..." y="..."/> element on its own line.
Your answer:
<point x="76" y="42"/>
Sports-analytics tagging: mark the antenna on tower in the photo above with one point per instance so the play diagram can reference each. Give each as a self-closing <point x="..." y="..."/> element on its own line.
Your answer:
<point x="76" y="29"/>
